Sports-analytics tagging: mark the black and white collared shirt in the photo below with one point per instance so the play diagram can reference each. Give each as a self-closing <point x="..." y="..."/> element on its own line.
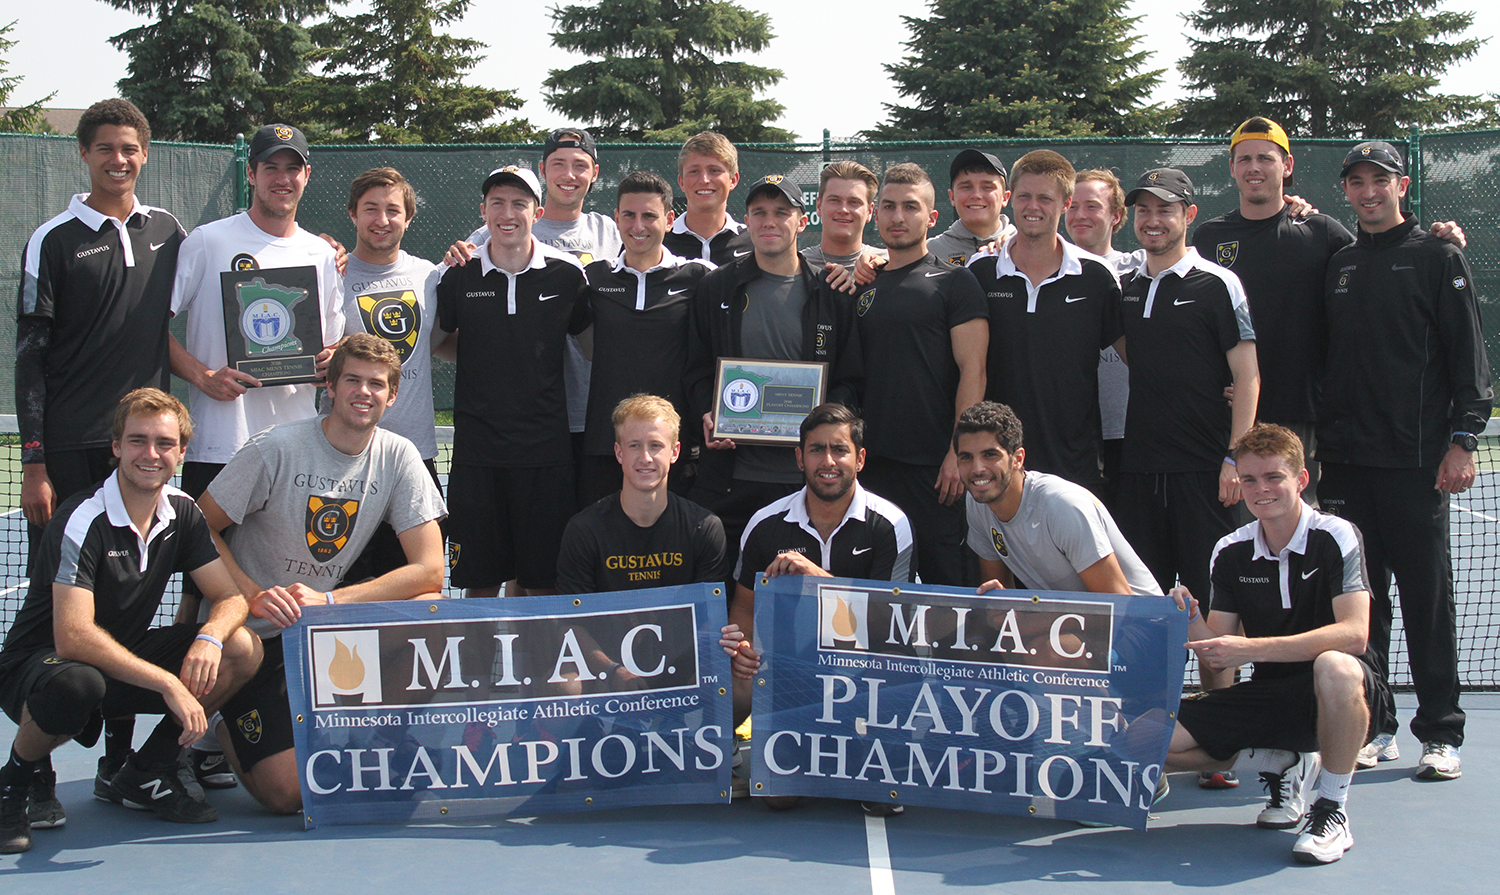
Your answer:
<point x="731" y="242"/>
<point x="873" y="541"/>
<point x="1291" y="592"/>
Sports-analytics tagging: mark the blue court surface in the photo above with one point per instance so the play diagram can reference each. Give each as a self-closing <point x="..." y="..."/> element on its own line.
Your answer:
<point x="1409" y="837"/>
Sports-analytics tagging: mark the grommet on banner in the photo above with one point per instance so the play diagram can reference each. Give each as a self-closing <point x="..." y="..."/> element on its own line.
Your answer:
<point x="759" y="787"/>
<point x="761" y="682"/>
<point x="1035" y="598"/>
<point x="443" y="810"/>
<point x="722" y="691"/>
<point x="577" y="602"/>
<point x="1031" y="809"/>
<point x="588" y="800"/>
<point x="764" y="580"/>
<point x="895" y="591"/>
<point x="299" y="719"/>
<point x="893" y="793"/>
<point x="718" y="591"/>
<point x="432" y="608"/>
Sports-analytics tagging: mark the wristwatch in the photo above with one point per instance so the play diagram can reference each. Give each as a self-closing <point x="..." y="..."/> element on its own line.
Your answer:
<point x="1466" y="440"/>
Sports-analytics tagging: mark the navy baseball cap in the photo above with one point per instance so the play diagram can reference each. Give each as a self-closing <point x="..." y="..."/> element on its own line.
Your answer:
<point x="1169" y="184"/>
<point x="1381" y="155"/>
<point x="775" y="184"/>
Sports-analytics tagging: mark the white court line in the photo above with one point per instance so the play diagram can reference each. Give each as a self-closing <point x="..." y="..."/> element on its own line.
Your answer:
<point x="11" y="590"/>
<point x="1463" y="509"/>
<point x="11" y="513"/>
<point x="881" y="880"/>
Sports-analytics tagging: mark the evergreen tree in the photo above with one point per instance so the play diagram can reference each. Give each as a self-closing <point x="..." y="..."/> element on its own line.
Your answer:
<point x="1326" y="68"/>
<point x="1018" y="68"/>
<point x="207" y="70"/>
<point x="390" y="77"/>
<point x="657" y="72"/>
<point x="22" y="119"/>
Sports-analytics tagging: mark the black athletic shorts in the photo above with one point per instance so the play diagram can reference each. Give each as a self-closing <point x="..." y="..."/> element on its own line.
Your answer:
<point x="1277" y="713"/>
<point x="259" y="717"/>
<point x="23" y="675"/>
<point x="507" y="523"/>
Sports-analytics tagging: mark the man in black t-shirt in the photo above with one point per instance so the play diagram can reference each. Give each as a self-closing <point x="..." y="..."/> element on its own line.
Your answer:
<point x="1294" y="581"/>
<point x="1052" y="308"/>
<point x="82" y="646"/>
<point x="95" y="297"/>
<point x="643" y="535"/>
<point x="640" y="303"/>
<point x="511" y="488"/>
<point x="924" y="330"/>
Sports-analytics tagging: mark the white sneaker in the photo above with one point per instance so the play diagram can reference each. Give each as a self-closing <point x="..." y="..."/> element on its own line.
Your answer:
<point x="1382" y="748"/>
<point x="1287" y="792"/>
<point x="1326" y="836"/>
<point x="1439" y="762"/>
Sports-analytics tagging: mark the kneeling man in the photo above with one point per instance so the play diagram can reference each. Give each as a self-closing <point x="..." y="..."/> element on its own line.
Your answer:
<point x="82" y="647"/>
<point x="1295" y="579"/>
<point x="304" y="499"/>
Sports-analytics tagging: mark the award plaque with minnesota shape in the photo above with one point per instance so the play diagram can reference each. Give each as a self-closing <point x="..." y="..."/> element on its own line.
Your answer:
<point x="765" y="401"/>
<point x="273" y="328"/>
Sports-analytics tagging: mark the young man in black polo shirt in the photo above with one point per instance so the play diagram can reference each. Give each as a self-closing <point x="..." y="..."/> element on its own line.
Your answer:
<point x="1405" y="391"/>
<point x="832" y="527"/>
<point x="768" y="305"/>
<point x="82" y="644"/>
<point x="1294" y="581"/>
<point x="708" y="170"/>
<point x="1052" y="309"/>
<point x="1187" y="337"/>
<point x="642" y="535"/>
<point x="924" y="330"/>
<point x="511" y="486"/>
<point x="92" y="316"/>
<point x="977" y="193"/>
<point x="640" y="302"/>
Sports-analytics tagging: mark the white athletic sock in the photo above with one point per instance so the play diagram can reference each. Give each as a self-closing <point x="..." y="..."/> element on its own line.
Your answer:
<point x="1271" y="761"/>
<point x="210" y="741"/>
<point x="1334" y="786"/>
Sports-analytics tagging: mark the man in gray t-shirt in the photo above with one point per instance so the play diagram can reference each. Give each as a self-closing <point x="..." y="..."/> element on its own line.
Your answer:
<point x="303" y="499"/>
<point x="1038" y="529"/>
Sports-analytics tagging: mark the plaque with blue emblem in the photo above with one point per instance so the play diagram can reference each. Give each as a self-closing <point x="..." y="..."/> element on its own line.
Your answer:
<point x="272" y="326"/>
<point x="765" y="401"/>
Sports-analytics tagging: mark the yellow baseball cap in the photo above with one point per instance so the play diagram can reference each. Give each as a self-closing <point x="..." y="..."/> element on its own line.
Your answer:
<point x="1260" y="128"/>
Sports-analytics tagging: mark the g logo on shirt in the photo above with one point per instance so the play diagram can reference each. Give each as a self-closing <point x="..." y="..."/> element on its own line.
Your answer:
<point x="393" y="316"/>
<point x="329" y="523"/>
<point x="1228" y="251"/>
<point x="244" y="261"/>
<point x="865" y="301"/>
<point x="999" y="541"/>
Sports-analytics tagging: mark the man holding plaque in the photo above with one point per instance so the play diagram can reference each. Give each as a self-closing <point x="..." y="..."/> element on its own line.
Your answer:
<point x="256" y="269"/>
<point x="924" y="327"/>
<point x="772" y="306"/>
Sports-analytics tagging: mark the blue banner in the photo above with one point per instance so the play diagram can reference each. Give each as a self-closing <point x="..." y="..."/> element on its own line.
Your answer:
<point x="1017" y="702"/>
<point x="455" y="709"/>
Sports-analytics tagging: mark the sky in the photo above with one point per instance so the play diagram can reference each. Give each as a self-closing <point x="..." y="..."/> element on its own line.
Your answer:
<point x="63" y="45"/>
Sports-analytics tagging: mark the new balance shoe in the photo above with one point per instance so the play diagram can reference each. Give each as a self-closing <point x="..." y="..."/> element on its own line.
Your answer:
<point x="1217" y="780"/>
<point x="15" y="828"/>
<point x="882" y="809"/>
<point x="212" y="769"/>
<point x="1382" y="748"/>
<point x="1287" y="792"/>
<point x="162" y="790"/>
<point x="44" y="810"/>
<point x="1439" y="761"/>
<point x="1326" y="836"/>
<point x="108" y="768"/>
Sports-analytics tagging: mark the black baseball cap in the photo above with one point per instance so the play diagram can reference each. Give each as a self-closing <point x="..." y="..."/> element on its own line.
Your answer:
<point x="1170" y="184"/>
<point x="516" y="176"/>
<point x="1381" y="155"/>
<point x="969" y="159"/>
<point x="570" y="138"/>
<point x="275" y="137"/>
<point x="777" y="184"/>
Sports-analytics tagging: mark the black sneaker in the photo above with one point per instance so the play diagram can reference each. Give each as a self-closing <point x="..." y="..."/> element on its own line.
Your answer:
<point x="15" y="828"/>
<point x="108" y="768"/>
<point x="212" y="769"/>
<point x="160" y="789"/>
<point x="45" y="811"/>
<point x="882" y="809"/>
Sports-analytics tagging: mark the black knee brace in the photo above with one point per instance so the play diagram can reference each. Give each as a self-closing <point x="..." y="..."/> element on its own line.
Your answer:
<point x="64" y="705"/>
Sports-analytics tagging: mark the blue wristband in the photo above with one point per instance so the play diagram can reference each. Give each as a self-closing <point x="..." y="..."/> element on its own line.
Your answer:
<point x="209" y="638"/>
